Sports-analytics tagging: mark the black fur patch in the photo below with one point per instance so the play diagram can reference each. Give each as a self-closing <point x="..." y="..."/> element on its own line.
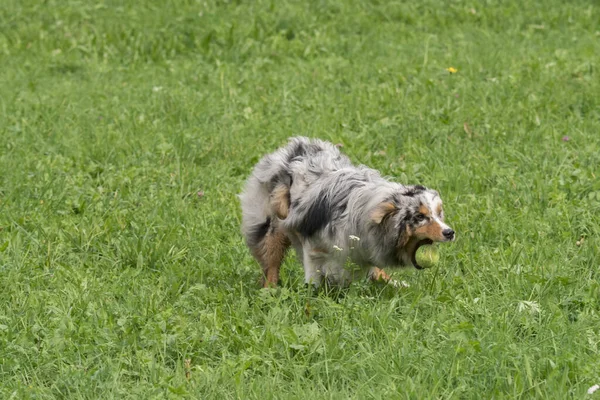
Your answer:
<point x="258" y="233"/>
<point x="401" y="230"/>
<point x="282" y="177"/>
<point x="297" y="151"/>
<point x="404" y="223"/>
<point x="408" y="220"/>
<point x="414" y="190"/>
<point x="317" y="216"/>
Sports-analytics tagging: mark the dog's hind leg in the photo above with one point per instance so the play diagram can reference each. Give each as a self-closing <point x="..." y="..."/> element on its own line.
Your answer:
<point x="262" y="208"/>
<point x="276" y="244"/>
<point x="269" y="252"/>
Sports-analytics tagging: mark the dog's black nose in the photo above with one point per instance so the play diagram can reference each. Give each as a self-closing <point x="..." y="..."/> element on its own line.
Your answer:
<point x="448" y="234"/>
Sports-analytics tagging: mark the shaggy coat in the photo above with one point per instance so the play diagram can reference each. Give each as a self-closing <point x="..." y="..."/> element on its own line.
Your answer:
<point x="310" y="196"/>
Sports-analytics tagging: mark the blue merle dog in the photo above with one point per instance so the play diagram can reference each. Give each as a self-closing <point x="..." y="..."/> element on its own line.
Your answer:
<point x="310" y="196"/>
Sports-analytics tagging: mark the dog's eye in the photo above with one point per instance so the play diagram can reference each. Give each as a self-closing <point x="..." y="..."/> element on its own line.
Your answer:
<point x="420" y="217"/>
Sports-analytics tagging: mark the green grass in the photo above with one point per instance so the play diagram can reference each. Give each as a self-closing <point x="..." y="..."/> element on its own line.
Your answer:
<point x="114" y="271"/>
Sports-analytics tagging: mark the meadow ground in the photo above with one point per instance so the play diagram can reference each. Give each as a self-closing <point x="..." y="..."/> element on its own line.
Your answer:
<point x="127" y="129"/>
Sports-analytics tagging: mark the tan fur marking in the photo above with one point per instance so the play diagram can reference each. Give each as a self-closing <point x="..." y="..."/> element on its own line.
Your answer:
<point x="270" y="253"/>
<point x="405" y="238"/>
<point x="432" y="230"/>
<point x="377" y="274"/>
<point x="280" y="201"/>
<point x="381" y="211"/>
<point x="423" y="209"/>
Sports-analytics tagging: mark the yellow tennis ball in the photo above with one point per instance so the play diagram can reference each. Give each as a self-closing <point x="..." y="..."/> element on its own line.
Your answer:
<point x="427" y="256"/>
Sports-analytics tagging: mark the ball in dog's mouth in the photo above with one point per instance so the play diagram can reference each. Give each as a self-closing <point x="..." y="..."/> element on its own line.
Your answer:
<point x="425" y="258"/>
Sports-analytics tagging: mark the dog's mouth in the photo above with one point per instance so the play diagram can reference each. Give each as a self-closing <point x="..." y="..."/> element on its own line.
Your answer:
<point x="413" y="254"/>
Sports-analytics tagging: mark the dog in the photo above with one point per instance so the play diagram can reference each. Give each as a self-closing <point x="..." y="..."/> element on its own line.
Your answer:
<point x="309" y="196"/>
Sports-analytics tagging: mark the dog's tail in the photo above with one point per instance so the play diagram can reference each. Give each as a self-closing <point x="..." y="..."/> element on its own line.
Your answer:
<point x="266" y="195"/>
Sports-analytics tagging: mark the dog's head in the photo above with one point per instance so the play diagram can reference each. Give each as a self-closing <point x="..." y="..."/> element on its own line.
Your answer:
<point x="414" y="216"/>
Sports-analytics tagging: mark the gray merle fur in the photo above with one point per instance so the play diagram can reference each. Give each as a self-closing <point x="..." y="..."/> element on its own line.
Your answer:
<point x="331" y="201"/>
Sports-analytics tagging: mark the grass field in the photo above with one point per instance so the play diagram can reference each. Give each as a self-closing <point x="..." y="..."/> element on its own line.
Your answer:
<point x="128" y="128"/>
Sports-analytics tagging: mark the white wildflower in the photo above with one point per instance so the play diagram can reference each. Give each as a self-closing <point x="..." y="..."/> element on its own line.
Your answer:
<point x="401" y="284"/>
<point x="593" y="389"/>
<point x="157" y="89"/>
<point x="530" y="306"/>
<point x="352" y="237"/>
<point x="337" y="248"/>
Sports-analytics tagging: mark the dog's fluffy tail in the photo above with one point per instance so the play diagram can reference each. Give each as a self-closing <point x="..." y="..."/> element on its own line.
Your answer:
<point x="265" y="197"/>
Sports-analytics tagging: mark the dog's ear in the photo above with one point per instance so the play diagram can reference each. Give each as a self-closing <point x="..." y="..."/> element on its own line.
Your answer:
<point x="383" y="211"/>
<point x="405" y="234"/>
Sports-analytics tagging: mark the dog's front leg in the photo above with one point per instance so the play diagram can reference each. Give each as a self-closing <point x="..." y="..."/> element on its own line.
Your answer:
<point x="378" y="275"/>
